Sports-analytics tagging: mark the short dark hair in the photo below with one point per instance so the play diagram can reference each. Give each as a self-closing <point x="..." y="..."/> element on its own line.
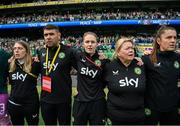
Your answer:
<point x="51" y="27"/>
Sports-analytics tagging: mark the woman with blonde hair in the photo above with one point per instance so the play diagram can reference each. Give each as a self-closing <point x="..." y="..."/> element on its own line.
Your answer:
<point x="125" y="80"/>
<point x="24" y="100"/>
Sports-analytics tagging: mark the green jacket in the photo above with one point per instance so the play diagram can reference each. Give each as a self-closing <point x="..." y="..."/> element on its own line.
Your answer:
<point x="4" y="56"/>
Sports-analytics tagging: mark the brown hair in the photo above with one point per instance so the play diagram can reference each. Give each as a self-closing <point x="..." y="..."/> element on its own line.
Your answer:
<point x="156" y="47"/>
<point x="27" y="59"/>
<point x="90" y="33"/>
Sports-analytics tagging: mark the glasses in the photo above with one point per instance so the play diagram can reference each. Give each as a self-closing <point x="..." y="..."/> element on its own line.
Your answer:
<point x="18" y="48"/>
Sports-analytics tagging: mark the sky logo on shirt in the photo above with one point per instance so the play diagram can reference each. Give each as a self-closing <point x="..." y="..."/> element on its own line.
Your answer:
<point x="87" y="71"/>
<point x="129" y="82"/>
<point x="19" y="76"/>
<point x="45" y="66"/>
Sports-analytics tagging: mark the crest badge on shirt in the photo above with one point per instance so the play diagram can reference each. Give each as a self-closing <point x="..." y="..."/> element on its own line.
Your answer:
<point x="61" y="55"/>
<point x="137" y="70"/>
<point x="98" y="62"/>
<point x="147" y="111"/>
<point x="176" y="64"/>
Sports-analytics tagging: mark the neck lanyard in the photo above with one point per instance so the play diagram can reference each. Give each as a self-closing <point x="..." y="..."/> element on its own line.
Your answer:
<point x="33" y="75"/>
<point x="93" y="62"/>
<point x="54" y="58"/>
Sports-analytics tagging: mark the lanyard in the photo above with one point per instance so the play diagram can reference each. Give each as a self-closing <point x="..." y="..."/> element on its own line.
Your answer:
<point x="93" y="62"/>
<point x="54" y="58"/>
<point x="33" y="75"/>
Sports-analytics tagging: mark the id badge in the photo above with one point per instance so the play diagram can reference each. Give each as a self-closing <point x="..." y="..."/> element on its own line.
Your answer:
<point x="46" y="84"/>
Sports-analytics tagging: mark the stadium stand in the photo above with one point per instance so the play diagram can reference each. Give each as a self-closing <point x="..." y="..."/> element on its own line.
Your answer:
<point x="149" y="15"/>
<point x="118" y="14"/>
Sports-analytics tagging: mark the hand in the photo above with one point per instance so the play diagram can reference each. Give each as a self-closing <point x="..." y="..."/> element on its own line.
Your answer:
<point x="140" y="62"/>
<point x="36" y="59"/>
<point x="102" y="56"/>
<point x="147" y="52"/>
<point x="177" y="51"/>
<point x="10" y="59"/>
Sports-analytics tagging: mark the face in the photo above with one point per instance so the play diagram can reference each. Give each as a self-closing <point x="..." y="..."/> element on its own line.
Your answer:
<point x="19" y="51"/>
<point x="51" y="37"/>
<point x="90" y="44"/>
<point x="126" y="52"/>
<point x="167" y="40"/>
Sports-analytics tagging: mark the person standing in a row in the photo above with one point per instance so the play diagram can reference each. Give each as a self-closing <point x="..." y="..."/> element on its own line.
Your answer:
<point x="163" y="71"/>
<point x="4" y="118"/>
<point x="89" y="103"/>
<point x="56" y="61"/>
<point x="23" y="102"/>
<point x="125" y="80"/>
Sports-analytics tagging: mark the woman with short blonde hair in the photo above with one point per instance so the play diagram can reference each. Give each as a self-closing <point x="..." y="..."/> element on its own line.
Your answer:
<point x="126" y="83"/>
